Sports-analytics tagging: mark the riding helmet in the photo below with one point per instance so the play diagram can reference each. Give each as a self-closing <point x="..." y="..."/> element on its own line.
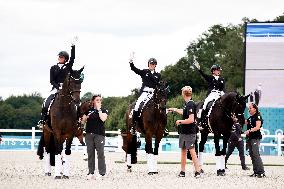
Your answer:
<point x="152" y="61"/>
<point x="215" y="67"/>
<point x="64" y="54"/>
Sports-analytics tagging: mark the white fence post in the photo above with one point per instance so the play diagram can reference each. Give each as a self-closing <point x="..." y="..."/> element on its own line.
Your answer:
<point x="279" y="139"/>
<point x="119" y="141"/>
<point x="33" y="139"/>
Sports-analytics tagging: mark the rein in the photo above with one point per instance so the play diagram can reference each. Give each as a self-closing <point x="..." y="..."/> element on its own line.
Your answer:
<point x="232" y="113"/>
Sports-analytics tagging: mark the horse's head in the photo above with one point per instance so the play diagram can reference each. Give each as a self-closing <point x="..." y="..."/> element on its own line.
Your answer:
<point x="239" y="107"/>
<point x="76" y="78"/>
<point x="161" y="95"/>
<point x="72" y="85"/>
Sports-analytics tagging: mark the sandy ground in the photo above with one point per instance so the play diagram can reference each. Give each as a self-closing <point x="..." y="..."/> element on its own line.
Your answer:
<point x="24" y="170"/>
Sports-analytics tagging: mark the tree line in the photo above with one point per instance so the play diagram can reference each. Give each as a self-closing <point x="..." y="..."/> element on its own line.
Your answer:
<point x="220" y="44"/>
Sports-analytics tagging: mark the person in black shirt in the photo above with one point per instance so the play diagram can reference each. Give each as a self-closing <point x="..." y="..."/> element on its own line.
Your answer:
<point x="95" y="136"/>
<point x="58" y="74"/>
<point x="236" y="140"/>
<point x="216" y="86"/>
<point x="187" y="131"/>
<point x="150" y="79"/>
<point x="254" y="123"/>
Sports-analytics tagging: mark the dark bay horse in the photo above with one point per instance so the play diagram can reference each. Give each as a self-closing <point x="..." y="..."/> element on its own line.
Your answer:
<point x="152" y="122"/>
<point x="220" y="124"/>
<point x="63" y="120"/>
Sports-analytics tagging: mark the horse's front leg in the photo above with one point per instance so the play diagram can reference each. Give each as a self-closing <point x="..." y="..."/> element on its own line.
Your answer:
<point x="204" y="136"/>
<point x="149" y="152"/>
<point x="131" y="151"/>
<point x="156" y="152"/>
<point x="225" y="145"/>
<point x="66" y="158"/>
<point x="58" y="150"/>
<point x="220" y="159"/>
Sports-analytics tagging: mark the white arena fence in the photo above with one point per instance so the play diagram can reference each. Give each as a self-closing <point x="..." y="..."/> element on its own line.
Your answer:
<point x="117" y="144"/>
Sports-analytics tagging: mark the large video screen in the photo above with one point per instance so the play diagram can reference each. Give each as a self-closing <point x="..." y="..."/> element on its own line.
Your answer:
<point x="264" y="67"/>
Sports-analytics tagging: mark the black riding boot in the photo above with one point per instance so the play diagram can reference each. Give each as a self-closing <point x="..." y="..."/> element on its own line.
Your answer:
<point x="40" y="149"/>
<point x="204" y="118"/>
<point x="44" y="110"/>
<point x="43" y="118"/>
<point x="134" y="118"/>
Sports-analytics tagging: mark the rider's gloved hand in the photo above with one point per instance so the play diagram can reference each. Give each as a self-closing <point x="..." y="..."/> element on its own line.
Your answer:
<point x="196" y="64"/>
<point x="74" y="40"/>
<point x="131" y="57"/>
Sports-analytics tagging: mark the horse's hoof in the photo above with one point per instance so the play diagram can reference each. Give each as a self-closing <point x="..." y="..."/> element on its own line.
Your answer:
<point x="47" y="174"/>
<point x="153" y="173"/>
<point x="129" y="170"/>
<point x="57" y="177"/>
<point x="221" y="172"/>
<point x="65" y="177"/>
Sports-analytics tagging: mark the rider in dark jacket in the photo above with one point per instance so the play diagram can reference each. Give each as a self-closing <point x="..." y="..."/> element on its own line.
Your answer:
<point x="216" y="86"/>
<point x="150" y="79"/>
<point x="58" y="73"/>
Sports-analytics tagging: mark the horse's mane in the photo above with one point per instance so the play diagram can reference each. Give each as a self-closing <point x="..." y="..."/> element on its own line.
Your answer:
<point x="229" y="97"/>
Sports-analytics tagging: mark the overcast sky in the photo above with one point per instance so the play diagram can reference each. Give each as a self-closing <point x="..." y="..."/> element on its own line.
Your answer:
<point x="32" y="32"/>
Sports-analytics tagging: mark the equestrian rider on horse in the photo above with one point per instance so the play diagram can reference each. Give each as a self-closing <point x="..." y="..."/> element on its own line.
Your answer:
<point x="58" y="74"/>
<point x="150" y="79"/>
<point x="216" y="85"/>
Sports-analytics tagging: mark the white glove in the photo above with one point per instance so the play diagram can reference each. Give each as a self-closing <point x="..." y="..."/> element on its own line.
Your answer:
<point x="74" y="40"/>
<point x="131" y="57"/>
<point x="196" y="64"/>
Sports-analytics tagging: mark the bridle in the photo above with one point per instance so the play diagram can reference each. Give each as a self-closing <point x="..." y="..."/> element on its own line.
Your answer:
<point x="70" y="91"/>
<point x="157" y="101"/>
<point x="231" y="113"/>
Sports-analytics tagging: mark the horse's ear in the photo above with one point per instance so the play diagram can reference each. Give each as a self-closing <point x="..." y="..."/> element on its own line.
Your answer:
<point x="81" y="69"/>
<point x="246" y="97"/>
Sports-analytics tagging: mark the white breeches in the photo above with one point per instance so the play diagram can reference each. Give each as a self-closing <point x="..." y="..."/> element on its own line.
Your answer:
<point x="214" y="95"/>
<point x="146" y="95"/>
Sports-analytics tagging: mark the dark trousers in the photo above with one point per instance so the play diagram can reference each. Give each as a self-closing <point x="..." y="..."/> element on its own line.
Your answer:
<point x="96" y="142"/>
<point x="253" y="146"/>
<point x="240" y="146"/>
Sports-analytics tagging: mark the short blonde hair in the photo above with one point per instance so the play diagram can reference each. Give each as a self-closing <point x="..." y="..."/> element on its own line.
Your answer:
<point x="187" y="91"/>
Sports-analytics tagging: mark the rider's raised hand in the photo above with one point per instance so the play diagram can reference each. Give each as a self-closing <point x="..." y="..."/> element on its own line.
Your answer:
<point x="74" y="40"/>
<point x="196" y="64"/>
<point x="131" y="57"/>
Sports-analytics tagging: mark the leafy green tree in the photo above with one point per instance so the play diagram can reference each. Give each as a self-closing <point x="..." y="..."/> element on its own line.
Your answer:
<point x="87" y="96"/>
<point x="20" y="112"/>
